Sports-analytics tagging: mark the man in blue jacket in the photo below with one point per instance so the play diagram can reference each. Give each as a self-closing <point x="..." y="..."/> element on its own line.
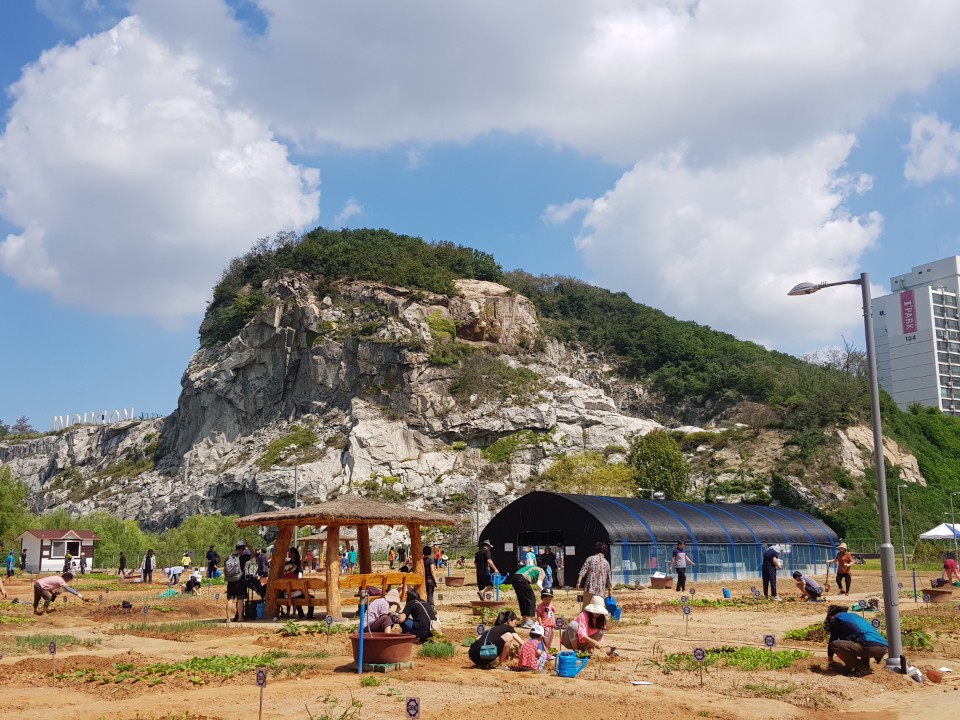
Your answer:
<point x="854" y="639"/>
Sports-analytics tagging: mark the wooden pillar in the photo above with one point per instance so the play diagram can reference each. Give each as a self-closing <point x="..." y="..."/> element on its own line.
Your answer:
<point x="333" y="571"/>
<point x="280" y="547"/>
<point x="416" y="556"/>
<point x="363" y="548"/>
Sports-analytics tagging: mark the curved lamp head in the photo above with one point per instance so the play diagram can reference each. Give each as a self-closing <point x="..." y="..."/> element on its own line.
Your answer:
<point x="804" y="288"/>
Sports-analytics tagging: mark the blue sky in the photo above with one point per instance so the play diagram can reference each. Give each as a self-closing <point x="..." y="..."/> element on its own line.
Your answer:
<point x="702" y="156"/>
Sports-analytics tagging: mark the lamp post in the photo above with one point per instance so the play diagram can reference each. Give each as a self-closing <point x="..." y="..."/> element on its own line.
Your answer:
<point x="953" y="523"/>
<point x="903" y="544"/>
<point x="888" y="563"/>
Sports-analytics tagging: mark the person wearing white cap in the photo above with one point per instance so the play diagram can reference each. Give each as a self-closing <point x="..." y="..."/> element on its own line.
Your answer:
<point x="533" y="656"/>
<point x="381" y="610"/>
<point x="768" y="570"/>
<point x="843" y="561"/>
<point x="586" y="632"/>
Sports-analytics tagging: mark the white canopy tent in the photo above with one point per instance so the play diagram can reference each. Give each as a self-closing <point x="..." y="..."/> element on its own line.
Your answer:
<point x="943" y="531"/>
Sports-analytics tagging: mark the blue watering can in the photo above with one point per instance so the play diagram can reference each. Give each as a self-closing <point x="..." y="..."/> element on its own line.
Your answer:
<point x="569" y="665"/>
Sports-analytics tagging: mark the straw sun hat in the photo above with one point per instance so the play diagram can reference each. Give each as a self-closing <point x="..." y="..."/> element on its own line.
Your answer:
<point x="596" y="606"/>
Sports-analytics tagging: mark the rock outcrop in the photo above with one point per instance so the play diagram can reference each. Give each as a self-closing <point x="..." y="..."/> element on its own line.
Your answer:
<point x="397" y="394"/>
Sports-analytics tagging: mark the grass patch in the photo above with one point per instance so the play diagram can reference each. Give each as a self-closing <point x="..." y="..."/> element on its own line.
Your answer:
<point x="435" y="648"/>
<point x="769" y="691"/>
<point x="501" y="450"/>
<point x="370" y="681"/>
<point x="42" y="642"/>
<point x="484" y="377"/>
<point x="811" y="633"/>
<point x="167" y="629"/>
<point x="303" y="438"/>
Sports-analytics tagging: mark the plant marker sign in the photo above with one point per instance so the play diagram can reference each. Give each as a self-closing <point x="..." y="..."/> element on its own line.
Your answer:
<point x="328" y="620"/>
<point x="756" y="594"/>
<point x="261" y="683"/>
<point x="686" y="617"/>
<point x="876" y="623"/>
<point x="217" y="597"/>
<point x="561" y="623"/>
<point x="770" y="641"/>
<point x="480" y="628"/>
<point x="53" y="656"/>
<point x="684" y="599"/>
<point x="413" y="708"/>
<point x="146" y="610"/>
<point x="100" y="599"/>
<point x="693" y="591"/>
<point x="699" y="654"/>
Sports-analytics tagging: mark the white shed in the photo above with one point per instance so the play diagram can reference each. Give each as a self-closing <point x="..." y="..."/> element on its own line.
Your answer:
<point x="47" y="550"/>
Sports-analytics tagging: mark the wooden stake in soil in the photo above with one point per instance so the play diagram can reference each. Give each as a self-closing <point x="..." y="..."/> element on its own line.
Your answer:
<point x="261" y="683"/>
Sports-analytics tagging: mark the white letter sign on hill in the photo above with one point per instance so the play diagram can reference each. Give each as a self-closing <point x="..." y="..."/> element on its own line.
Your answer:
<point x="104" y="417"/>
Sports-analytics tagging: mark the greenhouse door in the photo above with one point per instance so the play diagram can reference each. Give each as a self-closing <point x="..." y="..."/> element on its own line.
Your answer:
<point x="539" y="541"/>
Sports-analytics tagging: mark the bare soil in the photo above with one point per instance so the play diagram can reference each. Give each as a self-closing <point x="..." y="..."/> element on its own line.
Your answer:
<point x="108" y="676"/>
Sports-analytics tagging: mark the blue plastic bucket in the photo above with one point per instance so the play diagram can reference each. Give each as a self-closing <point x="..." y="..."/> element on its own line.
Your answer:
<point x="726" y="593"/>
<point x="261" y="610"/>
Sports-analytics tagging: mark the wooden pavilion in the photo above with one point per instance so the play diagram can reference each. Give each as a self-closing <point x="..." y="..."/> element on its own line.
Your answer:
<point x="345" y="511"/>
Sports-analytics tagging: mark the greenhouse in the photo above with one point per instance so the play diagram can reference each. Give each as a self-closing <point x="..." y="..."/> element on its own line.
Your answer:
<point x="726" y="541"/>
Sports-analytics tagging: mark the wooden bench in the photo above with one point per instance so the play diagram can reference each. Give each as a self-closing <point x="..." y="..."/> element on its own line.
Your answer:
<point x="289" y="586"/>
<point x="381" y="580"/>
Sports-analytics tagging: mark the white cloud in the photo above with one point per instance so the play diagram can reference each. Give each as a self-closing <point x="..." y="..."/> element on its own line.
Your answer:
<point x="351" y="209"/>
<point x="134" y="181"/>
<point x="559" y="214"/>
<point x="621" y="79"/>
<point x="723" y="245"/>
<point x="85" y="16"/>
<point x="933" y="150"/>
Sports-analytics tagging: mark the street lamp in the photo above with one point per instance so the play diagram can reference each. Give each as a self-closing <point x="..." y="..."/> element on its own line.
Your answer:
<point x="654" y="494"/>
<point x="903" y="545"/>
<point x="888" y="563"/>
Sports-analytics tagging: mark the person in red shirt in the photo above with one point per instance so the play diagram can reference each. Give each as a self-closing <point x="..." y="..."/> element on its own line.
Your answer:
<point x="48" y="588"/>
<point x="951" y="572"/>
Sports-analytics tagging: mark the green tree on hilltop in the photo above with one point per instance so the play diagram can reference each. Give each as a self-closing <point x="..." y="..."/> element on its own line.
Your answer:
<point x="658" y="465"/>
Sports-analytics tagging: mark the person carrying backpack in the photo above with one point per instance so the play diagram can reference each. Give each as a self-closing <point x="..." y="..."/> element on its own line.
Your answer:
<point x="236" y="586"/>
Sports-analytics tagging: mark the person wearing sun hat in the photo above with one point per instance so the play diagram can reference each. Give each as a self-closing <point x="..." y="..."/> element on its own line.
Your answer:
<point x="380" y="612"/>
<point x="585" y="633"/>
<point x="485" y="565"/>
<point x="843" y="561"/>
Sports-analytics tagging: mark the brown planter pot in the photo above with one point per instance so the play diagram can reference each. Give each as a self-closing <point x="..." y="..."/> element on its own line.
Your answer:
<point x="664" y="583"/>
<point x="382" y="648"/>
<point x="454" y="581"/>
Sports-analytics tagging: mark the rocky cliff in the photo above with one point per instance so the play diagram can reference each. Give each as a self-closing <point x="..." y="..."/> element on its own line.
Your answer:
<point x="392" y="393"/>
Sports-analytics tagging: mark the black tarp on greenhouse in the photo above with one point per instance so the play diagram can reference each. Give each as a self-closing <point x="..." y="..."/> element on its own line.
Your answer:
<point x="737" y="532"/>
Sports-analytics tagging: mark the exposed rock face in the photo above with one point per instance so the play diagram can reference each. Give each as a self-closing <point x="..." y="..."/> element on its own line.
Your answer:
<point x="358" y="377"/>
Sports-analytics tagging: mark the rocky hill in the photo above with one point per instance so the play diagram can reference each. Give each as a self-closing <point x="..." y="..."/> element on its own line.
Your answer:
<point x="402" y="395"/>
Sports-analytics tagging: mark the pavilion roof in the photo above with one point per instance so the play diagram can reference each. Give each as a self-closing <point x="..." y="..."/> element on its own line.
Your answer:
<point x="347" y="510"/>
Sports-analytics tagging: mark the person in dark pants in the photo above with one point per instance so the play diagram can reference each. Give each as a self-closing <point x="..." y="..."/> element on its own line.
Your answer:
<point x="521" y="582"/>
<point x="122" y="570"/>
<point x="679" y="563"/>
<point x="429" y="573"/>
<point x="485" y="566"/>
<point x="854" y="639"/>
<point x="768" y="569"/>
<point x="212" y="560"/>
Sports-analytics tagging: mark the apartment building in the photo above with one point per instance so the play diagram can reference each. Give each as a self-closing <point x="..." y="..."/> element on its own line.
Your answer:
<point x="917" y="333"/>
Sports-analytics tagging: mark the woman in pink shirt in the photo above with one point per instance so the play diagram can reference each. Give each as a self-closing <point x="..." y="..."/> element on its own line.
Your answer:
<point x="586" y="632"/>
<point x="48" y="588"/>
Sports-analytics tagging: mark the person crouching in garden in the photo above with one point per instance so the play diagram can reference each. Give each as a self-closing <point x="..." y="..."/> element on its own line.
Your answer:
<point x="502" y="636"/>
<point x="586" y="632"/>
<point x="48" y="588"/>
<point x="854" y="639"/>
<point x="809" y="588"/>
<point x="381" y="612"/>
